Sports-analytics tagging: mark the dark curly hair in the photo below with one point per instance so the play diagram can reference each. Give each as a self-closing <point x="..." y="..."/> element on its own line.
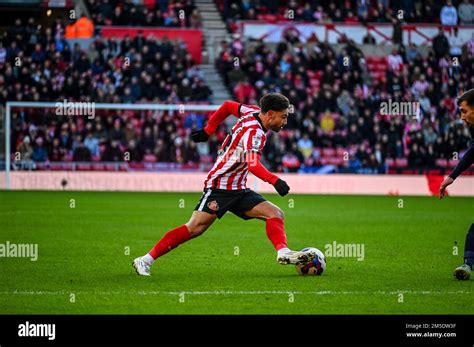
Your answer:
<point x="274" y="102"/>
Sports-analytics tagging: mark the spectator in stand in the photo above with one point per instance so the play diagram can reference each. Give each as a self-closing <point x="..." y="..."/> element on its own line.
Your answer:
<point x="92" y="144"/>
<point x="368" y="39"/>
<point x="135" y="155"/>
<point x="191" y="154"/>
<point x="39" y="151"/>
<point x="440" y="44"/>
<point x="244" y="92"/>
<point x="305" y="146"/>
<point x="3" y="54"/>
<point x="201" y="92"/>
<point x="395" y="61"/>
<point x="455" y="42"/>
<point x="81" y="153"/>
<point x="449" y="14"/>
<point x="290" y="162"/>
<point x="415" y="159"/>
<point x="195" y="20"/>
<point x="420" y="86"/>
<point x="397" y="35"/>
<point x="466" y="13"/>
<point x="411" y="52"/>
<point x="25" y="149"/>
<point x="113" y="153"/>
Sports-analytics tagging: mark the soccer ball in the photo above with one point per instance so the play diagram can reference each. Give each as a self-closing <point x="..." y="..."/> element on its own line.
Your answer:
<point x="315" y="267"/>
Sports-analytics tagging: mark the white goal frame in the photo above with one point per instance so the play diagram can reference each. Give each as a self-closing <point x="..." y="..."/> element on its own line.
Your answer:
<point x="97" y="106"/>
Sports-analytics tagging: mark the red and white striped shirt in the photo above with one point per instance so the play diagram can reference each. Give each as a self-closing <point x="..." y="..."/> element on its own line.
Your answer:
<point x="248" y="135"/>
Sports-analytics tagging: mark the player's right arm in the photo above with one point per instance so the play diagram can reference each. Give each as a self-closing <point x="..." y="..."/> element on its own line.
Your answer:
<point x="227" y="108"/>
<point x="466" y="161"/>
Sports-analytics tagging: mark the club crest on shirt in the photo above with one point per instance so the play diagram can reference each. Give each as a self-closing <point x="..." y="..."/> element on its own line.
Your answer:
<point x="212" y="205"/>
<point x="256" y="142"/>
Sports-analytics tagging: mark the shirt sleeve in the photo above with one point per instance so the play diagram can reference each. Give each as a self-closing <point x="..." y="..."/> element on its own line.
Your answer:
<point x="253" y="141"/>
<point x="464" y="163"/>
<point x="260" y="171"/>
<point x="226" y="109"/>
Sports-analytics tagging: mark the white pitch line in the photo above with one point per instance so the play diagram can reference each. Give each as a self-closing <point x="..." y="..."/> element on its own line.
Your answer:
<point x="230" y="292"/>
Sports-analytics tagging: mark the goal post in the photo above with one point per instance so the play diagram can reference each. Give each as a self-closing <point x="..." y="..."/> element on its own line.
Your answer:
<point x="81" y="106"/>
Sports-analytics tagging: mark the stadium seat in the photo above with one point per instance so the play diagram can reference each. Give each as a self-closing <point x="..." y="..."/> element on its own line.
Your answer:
<point x="83" y="167"/>
<point x="401" y="162"/>
<point x="137" y="166"/>
<point x="335" y="161"/>
<point x="98" y="167"/>
<point x="340" y="152"/>
<point x="441" y="163"/>
<point x="57" y="167"/>
<point x="390" y="162"/>
<point x="149" y="158"/>
<point x="453" y="163"/>
<point x="123" y="167"/>
<point x="110" y="167"/>
<point x="328" y="152"/>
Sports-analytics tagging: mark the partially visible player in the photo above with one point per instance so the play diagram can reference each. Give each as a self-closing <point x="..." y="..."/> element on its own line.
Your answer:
<point x="225" y="187"/>
<point x="466" y="108"/>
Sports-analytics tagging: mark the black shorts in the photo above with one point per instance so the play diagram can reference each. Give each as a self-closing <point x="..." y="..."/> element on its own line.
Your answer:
<point x="219" y="201"/>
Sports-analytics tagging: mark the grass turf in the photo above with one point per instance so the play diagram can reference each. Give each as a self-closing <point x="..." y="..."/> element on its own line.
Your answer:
<point x="84" y="267"/>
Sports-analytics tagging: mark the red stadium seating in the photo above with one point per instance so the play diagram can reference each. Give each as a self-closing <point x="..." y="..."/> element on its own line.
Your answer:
<point x="453" y="163"/>
<point x="390" y="162"/>
<point x="328" y="152"/>
<point x="401" y="162"/>
<point x="83" y="167"/>
<point x="149" y="158"/>
<point x="441" y="163"/>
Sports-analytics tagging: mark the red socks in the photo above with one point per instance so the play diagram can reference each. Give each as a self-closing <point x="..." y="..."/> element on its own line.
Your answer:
<point x="276" y="233"/>
<point x="172" y="239"/>
<point x="175" y="237"/>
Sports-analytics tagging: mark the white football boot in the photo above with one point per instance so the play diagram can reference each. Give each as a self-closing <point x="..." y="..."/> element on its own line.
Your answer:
<point x="142" y="267"/>
<point x="462" y="272"/>
<point x="296" y="257"/>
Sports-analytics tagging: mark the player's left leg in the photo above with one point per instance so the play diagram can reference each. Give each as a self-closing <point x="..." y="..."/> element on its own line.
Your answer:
<point x="197" y="224"/>
<point x="275" y="228"/>
<point x="463" y="272"/>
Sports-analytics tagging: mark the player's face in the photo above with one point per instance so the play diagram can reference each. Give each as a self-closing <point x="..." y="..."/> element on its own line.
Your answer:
<point x="467" y="113"/>
<point x="278" y="119"/>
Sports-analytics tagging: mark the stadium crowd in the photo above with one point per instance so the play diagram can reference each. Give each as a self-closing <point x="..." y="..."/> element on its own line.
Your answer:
<point x="160" y="13"/>
<point x="339" y="105"/>
<point x="346" y="11"/>
<point x="37" y="65"/>
<point x="336" y="116"/>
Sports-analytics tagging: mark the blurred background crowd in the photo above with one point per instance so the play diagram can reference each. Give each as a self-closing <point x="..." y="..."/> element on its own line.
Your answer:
<point x="336" y="119"/>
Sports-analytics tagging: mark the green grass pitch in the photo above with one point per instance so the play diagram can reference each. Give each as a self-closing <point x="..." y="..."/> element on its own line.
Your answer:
<point x="83" y="264"/>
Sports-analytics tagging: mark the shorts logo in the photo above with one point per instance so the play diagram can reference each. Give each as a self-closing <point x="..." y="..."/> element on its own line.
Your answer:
<point x="212" y="205"/>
